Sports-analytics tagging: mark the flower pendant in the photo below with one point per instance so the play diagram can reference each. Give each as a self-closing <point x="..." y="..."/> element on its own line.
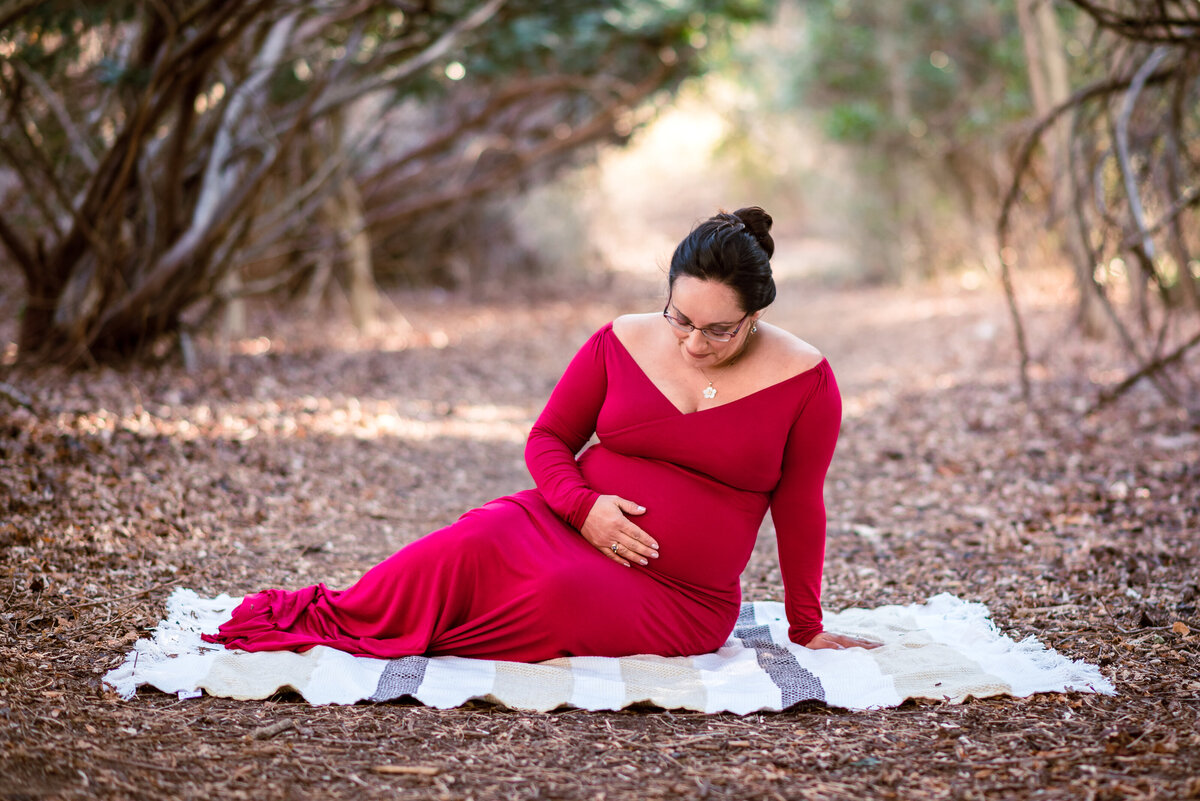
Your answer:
<point x="710" y="391"/>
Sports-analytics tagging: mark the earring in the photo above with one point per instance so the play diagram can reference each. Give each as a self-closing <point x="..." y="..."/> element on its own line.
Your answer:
<point x="753" y="328"/>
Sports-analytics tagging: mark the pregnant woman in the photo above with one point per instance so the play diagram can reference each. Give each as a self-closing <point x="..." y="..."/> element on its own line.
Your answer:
<point x="705" y="417"/>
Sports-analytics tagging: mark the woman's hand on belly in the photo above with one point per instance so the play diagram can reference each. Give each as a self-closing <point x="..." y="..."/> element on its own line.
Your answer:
<point x="609" y="530"/>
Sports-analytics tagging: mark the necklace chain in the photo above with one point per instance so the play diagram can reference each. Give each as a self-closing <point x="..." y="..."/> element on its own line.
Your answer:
<point x="710" y="391"/>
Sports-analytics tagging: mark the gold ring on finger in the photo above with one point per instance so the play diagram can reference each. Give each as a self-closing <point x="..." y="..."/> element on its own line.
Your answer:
<point x="614" y="547"/>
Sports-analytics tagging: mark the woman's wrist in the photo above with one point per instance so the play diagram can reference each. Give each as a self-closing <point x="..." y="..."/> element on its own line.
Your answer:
<point x="807" y="640"/>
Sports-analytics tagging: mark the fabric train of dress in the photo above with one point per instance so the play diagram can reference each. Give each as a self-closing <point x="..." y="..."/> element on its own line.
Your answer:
<point x="515" y="580"/>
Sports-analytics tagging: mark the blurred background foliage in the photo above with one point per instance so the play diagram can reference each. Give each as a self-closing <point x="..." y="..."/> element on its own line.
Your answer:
<point x="160" y="161"/>
<point x="163" y="159"/>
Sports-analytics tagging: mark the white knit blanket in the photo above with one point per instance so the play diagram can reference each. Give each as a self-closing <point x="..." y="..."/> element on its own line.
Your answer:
<point x="944" y="649"/>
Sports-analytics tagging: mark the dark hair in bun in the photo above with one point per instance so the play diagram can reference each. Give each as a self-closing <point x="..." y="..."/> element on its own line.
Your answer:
<point x="734" y="249"/>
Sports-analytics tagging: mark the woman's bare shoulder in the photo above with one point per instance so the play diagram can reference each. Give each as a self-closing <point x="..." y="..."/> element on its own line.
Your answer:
<point x="636" y="329"/>
<point x="787" y="353"/>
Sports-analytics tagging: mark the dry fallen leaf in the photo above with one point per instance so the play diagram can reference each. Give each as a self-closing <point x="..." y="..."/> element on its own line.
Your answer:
<point x="272" y="729"/>
<point x="407" y="770"/>
<point x="1181" y="628"/>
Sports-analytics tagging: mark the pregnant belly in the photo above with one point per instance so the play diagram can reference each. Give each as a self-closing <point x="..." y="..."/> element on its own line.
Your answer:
<point x="705" y="529"/>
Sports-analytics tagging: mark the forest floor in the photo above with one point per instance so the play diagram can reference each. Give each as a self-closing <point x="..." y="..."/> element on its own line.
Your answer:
<point x="316" y="452"/>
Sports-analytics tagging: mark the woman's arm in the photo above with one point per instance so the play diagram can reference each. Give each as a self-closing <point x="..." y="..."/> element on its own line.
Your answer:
<point x="798" y="506"/>
<point x="564" y="427"/>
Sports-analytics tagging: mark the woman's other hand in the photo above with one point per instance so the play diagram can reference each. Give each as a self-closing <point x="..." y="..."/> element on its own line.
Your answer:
<point x="608" y="524"/>
<point x="827" y="639"/>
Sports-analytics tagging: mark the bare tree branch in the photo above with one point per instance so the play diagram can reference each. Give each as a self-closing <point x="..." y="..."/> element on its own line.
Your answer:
<point x="17" y="248"/>
<point x="78" y="141"/>
<point x="1118" y="121"/>
<point x="56" y="188"/>
<point x="220" y="178"/>
<point x="33" y="186"/>
<point x="405" y="69"/>
<point x="1146" y="26"/>
<point x="11" y="11"/>
<point x="1149" y="369"/>
<point x="1187" y="200"/>
<point x="1136" y="85"/>
<point x="390" y="177"/>
<point x="519" y="161"/>
<point x="1098" y="89"/>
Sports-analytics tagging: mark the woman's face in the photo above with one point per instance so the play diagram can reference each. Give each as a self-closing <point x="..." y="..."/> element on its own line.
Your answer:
<point x="710" y="305"/>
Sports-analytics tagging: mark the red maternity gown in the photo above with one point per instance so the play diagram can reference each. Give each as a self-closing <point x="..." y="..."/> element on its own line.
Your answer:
<point x="515" y="580"/>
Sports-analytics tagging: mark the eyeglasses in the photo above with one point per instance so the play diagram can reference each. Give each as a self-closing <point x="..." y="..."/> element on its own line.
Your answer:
<point x="708" y="333"/>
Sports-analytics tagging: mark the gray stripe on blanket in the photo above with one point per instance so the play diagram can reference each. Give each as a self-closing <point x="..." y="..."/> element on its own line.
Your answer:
<point x="794" y="682"/>
<point x="400" y="677"/>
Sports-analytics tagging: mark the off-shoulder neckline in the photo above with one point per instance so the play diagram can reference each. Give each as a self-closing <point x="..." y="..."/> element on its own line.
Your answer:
<point x="755" y="393"/>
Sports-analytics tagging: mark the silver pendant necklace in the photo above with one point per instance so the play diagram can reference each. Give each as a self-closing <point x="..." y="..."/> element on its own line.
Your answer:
<point x="710" y="391"/>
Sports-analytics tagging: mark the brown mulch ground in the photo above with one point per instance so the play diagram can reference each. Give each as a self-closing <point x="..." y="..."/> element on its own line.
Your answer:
<point x="318" y="452"/>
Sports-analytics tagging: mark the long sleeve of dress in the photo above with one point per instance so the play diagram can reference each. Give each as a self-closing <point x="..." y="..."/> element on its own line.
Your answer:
<point x="562" y="429"/>
<point x="798" y="506"/>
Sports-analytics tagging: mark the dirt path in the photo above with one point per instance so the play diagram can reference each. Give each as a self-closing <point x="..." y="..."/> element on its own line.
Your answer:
<point x="319" y="452"/>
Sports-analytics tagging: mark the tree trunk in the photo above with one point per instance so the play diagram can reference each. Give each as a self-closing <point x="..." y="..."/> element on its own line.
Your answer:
<point x="349" y="249"/>
<point x="352" y="234"/>
<point x="902" y="186"/>
<point x="1049" y="86"/>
